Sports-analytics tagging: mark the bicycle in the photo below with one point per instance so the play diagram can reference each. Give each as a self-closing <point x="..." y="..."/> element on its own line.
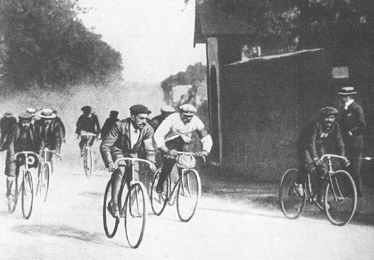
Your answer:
<point x="88" y="163"/>
<point x="44" y="173"/>
<point x="23" y="184"/>
<point x="132" y="206"/>
<point x="188" y="187"/>
<point x="340" y="195"/>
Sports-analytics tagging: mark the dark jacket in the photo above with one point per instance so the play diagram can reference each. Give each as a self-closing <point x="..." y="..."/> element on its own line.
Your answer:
<point x="51" y="137"/>
<point x="88" y="124"/>
<point x="353" y="120"/>
<point x="118" y="142"/>
<point x="6" y="124"/>
<point x="62" y="126"/>
<point x="317" y="141"/>
<point x="108" y="125"/>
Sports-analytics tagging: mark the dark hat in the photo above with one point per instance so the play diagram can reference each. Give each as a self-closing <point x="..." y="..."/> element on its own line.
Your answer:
<point x="46" y="113"/>
<point x="346" y="91"/>
<point x="327" y="111"/>
<point x="86" y="108"/>
<point x="187" y="109"/>
<point x="114" y="113"/>
<point x="139" y="109"/>
<point x="26" y="116"/>
<point x="8" y="114"/>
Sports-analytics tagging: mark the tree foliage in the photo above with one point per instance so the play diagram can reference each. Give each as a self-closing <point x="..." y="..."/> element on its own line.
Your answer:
<point x="46" y="44"/>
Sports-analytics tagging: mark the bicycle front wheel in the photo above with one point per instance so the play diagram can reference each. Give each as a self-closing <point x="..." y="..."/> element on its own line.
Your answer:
<point x="27" y="195"/>
<point x="14" y="191"/>
<point x="88" y="163"/>
<point x="340" y="198"/>
<point x="159" y="200"/>
<point x="135" y="214"/>
<point x="291" y="203"/>
<point x="110" y="223"/>
<point x="44" y="181"/>
<point x="189" y="190"/>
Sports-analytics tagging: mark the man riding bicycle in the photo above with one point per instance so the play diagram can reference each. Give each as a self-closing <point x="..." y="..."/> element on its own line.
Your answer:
<point x="125" y="139"/>
<point x="21" y="137"/>
<point x="88" y="123"/>
<point x="319" y="137"/>
<point x="175" y="134"/>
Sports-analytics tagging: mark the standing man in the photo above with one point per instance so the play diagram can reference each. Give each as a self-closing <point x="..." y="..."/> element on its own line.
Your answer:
<point x="124" y="140"/>
<point x="48" y="131"/>
<point x="175" y="134"/>
<point x="6" y="124"/>
<point x="20" y="138"/>
<point x="353" y="126"/>
<point x="165" y="112"/>
<point x="109" y="123"/>
<point x="88" y="123"/>
<point x="319" y="137"/>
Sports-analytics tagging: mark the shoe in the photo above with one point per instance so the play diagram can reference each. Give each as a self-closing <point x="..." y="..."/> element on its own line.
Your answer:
<point x="159" y="189"/>
<point x="299" y="189"/>
<point x="113" y="209"/>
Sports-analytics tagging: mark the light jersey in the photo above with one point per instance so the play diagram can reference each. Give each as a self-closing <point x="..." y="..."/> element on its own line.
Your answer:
<point x="173" y="127"/>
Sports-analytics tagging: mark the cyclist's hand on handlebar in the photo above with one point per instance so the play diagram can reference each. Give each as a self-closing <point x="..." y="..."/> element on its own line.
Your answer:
<point x="112" y="166"/>
<point x="173" y="153"/>
<point x="202" y="153"/>
<point x="12" y="158"/>
<point x="152" y="167"/>
<point x="317" y="162"/>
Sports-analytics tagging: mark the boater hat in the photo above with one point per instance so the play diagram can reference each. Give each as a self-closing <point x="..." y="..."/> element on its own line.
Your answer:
<point x="46" y="113"/>
<point x="346" y="91"/>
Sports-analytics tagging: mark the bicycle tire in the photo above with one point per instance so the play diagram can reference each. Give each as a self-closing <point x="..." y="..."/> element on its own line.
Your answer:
<point x="340" y="198"/>
<point x="12" y="204"/>
<point x="291" y="203"/>
<point x="44" y="181"/>
<point x="27" y="195"/>
<point x="189" y="192"/>
<point x="135" y="214"/>
<point x="109" y="222"/>
<point x="158" y="201"/>
<point x="88" y="163"/>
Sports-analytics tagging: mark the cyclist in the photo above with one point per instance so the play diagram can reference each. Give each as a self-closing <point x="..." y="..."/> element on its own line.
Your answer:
<point x="21" y="137"/>
<point x="125" y="140"/>
<point x="61" y="125"/>
<point x="87" y="123"/>
<point x="319" y="137"/>
<point x="6" y="124"/>
<point x="175" y="134"/>
<point x="113" y="118"/>
<point x="165" y="112"/>
<point x="48" y="132"/>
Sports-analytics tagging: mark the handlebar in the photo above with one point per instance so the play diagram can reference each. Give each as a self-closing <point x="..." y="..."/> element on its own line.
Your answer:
<point x="188" y="154"/>
<point x="46" y="150"/>
<point x="133" y="160"/>
<point x="329" y="156"/>
<point x="87" y="134"/>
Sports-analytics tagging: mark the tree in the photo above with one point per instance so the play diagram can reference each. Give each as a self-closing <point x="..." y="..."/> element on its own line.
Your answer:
<point x="46" y="44"/>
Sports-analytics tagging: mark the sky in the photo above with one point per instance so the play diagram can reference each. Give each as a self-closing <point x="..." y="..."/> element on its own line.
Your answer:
<point x="155" y="37"/>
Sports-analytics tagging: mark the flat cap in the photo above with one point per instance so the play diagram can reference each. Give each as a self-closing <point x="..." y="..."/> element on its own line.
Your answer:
<point x="114" y="112"/>
<point x="25" y="116"/>
<point x="8" y="114"/>
<point x="326" y="111"/>
<point x="187" y="109"/>
<point x="86" y="108"/>
<point x="139" y="109"/>
<point x="167" y="109"/>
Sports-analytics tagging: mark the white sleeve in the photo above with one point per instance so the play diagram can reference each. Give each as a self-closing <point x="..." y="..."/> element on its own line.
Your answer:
<point x="161" y="132"/>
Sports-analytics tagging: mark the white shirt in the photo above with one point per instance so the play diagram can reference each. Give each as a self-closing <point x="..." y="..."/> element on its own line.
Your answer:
<point x="346" y="105"/>
<point x="173" y="127"/>
<point x="134" y="135"/>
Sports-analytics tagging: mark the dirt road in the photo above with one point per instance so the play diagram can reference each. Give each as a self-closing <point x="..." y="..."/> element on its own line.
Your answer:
<point x="233" y="221"/>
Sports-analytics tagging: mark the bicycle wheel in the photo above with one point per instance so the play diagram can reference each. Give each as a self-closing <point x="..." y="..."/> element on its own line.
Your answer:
<point x="110" y="223"/>
<point x="135" y="214"/>
<point x="12" y="201"/>
<point x="159" y="200"/>
<point x="340" y="198"/>
<point x="27" y="195"/>
<point x="88" y="162"/>
<point x="44" y="181"/>
<point x="291" y="203"/>
<point x="189" y="190"/>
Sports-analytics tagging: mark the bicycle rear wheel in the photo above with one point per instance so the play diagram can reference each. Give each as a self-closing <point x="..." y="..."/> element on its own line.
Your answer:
<point x="159" y="200"/>
<point x="110" y="223"/>
<point x="189" y="190"/>
<point x="340" y="198"/>
<point x="43" y="184"/>
<point x="135" y="214"/>
<point x="14" y="191"/>
<point x="27" y="195"/>
<point x="291" y="203"/>
<point x="88" y="162"/>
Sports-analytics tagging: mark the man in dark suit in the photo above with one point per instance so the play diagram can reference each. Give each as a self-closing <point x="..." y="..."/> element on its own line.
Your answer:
<point x="319" y="137"/>
<point x="125" y="139"/>
<point x="353" y="126"/>
<point x="113" y="118"/>
<point x="6" y="124"/>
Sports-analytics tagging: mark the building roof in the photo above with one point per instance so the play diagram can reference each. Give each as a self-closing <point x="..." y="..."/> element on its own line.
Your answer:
<point x="211" y="22"/>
